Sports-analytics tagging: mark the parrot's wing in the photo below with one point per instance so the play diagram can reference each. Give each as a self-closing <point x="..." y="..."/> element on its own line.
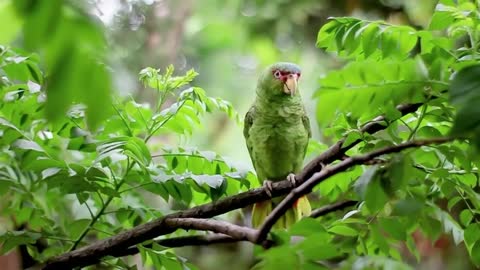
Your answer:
<point x="306" y="124"/>
<point x="247" y="124"/>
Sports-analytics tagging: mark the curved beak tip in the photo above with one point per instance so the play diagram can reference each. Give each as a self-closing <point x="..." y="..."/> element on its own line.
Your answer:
<point x="291" y="84"/>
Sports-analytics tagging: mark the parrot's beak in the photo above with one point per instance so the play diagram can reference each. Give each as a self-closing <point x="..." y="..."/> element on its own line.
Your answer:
<point x="291" y="84"/>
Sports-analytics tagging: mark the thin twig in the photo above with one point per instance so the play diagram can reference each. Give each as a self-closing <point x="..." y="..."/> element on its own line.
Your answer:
<point x="327" y="209"/>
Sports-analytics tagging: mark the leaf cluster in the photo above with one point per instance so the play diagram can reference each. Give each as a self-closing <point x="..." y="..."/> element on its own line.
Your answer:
<point x="63" y="184"/>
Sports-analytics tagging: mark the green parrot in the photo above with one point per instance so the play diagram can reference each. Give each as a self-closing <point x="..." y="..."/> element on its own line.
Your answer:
<point x="276" y="131"/>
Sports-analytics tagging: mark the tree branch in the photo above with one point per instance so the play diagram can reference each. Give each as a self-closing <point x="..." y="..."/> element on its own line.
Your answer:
<point x="232" y="230"/>
<point x="327" y="209"/>
<point x="92" y="253"/>
<point x="307" y="186"/>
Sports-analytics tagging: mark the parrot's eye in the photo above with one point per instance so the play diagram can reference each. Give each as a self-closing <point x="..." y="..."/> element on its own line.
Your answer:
<point x="277" y="74"/>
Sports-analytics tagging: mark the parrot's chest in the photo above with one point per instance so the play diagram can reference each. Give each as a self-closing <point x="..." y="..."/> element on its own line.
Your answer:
<point x="281" y="135"/>
<point x="279" y="146"/>
<point x="283" y="140"/>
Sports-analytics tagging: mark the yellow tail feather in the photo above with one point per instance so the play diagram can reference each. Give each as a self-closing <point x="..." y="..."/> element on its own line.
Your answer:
<point x="300" y="209"/>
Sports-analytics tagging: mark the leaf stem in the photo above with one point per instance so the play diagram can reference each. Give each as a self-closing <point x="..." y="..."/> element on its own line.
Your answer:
<point x="102" y="210"/>
<point x="130" y="133"/>
<point x="89" y="210"/>
<point x="405" y="123"/>
<point x="419" y="122"/>
<point x="163" y="123"/>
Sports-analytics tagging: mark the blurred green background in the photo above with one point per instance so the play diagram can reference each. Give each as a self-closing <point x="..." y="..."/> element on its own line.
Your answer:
<point x="228" y="42"/>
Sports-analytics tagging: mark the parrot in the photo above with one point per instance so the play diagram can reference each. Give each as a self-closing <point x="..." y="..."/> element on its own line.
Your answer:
<point x="277" y="131"/>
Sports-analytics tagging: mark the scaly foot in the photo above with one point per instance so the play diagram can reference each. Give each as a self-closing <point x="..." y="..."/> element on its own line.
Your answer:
<point x="267" y="185"/>
<point x="292" y="179"/>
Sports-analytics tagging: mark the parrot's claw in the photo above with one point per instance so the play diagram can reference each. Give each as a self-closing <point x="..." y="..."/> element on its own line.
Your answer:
<point x="292" y="179"/>
<point x="267" y="185"/>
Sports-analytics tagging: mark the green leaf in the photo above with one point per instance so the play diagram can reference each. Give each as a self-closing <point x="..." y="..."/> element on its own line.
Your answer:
<point x="307" y="226"/>
<point x="393" y="227"/>
<point x="12" y="239"/>
<point x="282" y="257"/>
<point x="398" y="173"/>
<point x="364" y="180"/>
<point x="472" y="235"/>
<point x="469" y="179"/>
<point x="465" y="85"/>
<point x="370" y="38"/>
<point x="28" y="145"/>
<point x="343" y="230"/>
<point x="137" y="149"/>
<point x="213" y="181"/>
<point x="465" y="95"/>
<point x="315" y="247"/>
<point x="170" y="261"/>
<point x="475" y="253"/>
<point x="371" y="190"/>
<point x="441" y="20"/>
<point x="77" y="227"/>
<point x="379" y="238"/>
<point x="352" y="136"/>
<point x="361" y="39"/>
<point x="5" y="186"/>
<point x="50" y="172"/>
<point x="151" y="77"/>
<point x="466" y="217"/>
<point x="73" y="46"/>
<point x="43" y="163"/>
<point x="70" y="184"/>
<point x="408" y="207"/>
<point x="360" y="91"/>
<point x="428" y="132"/>
<point x="131" y="146"/>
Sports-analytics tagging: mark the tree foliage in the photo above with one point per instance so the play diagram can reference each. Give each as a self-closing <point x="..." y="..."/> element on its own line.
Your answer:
<point x="77" y="179"/>
<point x="65" y="182"/>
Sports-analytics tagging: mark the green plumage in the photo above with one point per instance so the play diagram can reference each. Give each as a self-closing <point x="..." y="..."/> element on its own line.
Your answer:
<point x="277" y="131"/>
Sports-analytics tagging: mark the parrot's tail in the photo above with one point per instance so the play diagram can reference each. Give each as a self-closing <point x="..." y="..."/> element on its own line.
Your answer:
<point x="261" y="210"/>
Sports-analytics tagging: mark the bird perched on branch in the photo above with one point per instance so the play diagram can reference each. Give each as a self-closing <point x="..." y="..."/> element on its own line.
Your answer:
<point x="277" y="130"/>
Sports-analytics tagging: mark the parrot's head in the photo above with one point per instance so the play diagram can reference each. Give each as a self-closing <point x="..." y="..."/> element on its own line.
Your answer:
<point x="280" y="79"/>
